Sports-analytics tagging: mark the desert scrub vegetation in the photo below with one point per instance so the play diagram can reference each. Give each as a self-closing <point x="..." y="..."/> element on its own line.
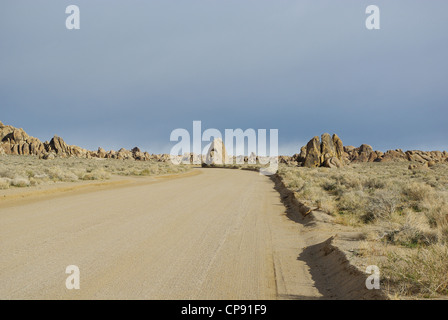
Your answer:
<point x="419" y="272"/>
<point x="25" y="171"/>
<point x="406" y="210"/>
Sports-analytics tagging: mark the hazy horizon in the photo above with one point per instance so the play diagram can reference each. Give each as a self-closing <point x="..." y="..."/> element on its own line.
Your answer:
<point x="137" y="70"/>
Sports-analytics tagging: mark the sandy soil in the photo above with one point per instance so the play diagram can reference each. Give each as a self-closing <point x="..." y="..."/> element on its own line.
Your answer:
<point x="211" y="234"/>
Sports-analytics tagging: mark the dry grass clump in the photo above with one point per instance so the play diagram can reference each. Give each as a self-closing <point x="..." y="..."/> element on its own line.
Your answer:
<point x="5" y="183"/>
<point x="407" y="208"/>
<point x="422" y="272"/>
<point x="24" y="171"/>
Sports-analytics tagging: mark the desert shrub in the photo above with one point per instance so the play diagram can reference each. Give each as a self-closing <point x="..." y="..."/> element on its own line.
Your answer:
<point x="438" y="219"/>
<point x="405" y="211"/>
<point x="33" y="181"/>
<point x="353" y="202"/>
<point x="95" y="174"/>
<point x="350" y="182"/>
<point x="5" y="173"/>
<point x="5" y="183"/>
<point x="33" y="171"/>
<point x="375" y="192"/>
<point x="327" y="205"/>
<point x="412" y="237"/>
<point x="60" y="174"/>
<point x="423" y="271"/>
<point x="20" y="182"/>
<point x="330" y="185"/>
<point x="443" y="231"/>
<point x="417" y="191"/>
<point x="311" y="192"/>
<point x="296" y="183"/>
<point x="415" y="231"/>
<point x="41" y="176"/>
<point x="374" y="183"/>
<point x="381" y="204"/>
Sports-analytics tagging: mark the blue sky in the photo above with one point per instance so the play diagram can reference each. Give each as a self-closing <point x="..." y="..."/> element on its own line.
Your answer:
<point x="136" y="70"/>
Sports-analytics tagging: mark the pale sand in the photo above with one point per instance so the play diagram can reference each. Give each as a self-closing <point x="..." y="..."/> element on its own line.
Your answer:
<point x="220" y="234"/>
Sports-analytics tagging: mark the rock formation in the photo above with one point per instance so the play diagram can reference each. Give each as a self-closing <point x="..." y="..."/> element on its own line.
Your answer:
<point x="313" y="154"/>
<point x="16" y="141"/>
<point x="327" y="152"/>
<point x="365" y="153"/>
<point x="217" y="153"/>
<point x="330" y="152"/>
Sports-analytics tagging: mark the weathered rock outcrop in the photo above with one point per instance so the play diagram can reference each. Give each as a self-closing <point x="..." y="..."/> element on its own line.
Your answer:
<point x="333" y="163"/>
<point x="57" y="144"/>
<point x="313" y="154"/>
<point x="330" y="152"/>
<point x="393" y="156"/>
<point x="339" y="147"/>
<point x="288" y="160"/>
<point x="101" y="153"/>
<point x="327" y="152"/>
<point x="217" y="153"/>
<point x="424" y="156"/>
<point x="16" y="141"/>
<point x="300" y="158"/>
<point x="365" y="153"/>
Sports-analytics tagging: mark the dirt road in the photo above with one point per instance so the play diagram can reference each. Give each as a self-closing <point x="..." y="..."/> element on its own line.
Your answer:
<point x="221" y="234"/>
